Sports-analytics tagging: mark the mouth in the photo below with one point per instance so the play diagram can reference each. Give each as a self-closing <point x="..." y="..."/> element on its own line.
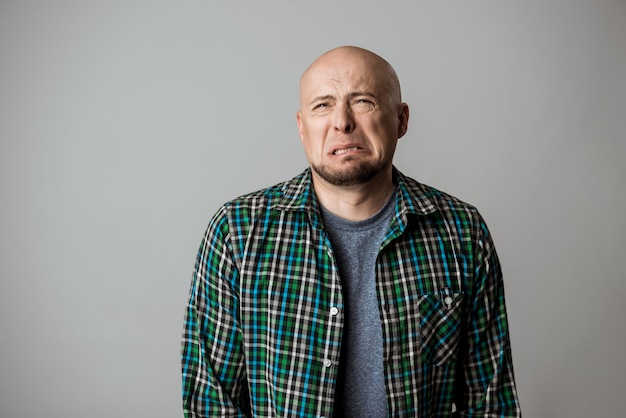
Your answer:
<point x="346" y="150"/>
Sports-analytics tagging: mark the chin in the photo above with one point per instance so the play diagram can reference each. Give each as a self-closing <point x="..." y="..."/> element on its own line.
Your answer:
<point x="349" y="176"/>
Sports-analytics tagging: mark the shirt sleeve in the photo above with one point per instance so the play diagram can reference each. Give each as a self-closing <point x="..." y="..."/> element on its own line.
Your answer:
<point x="488" y="388"/>
<point x="213" y="373"/>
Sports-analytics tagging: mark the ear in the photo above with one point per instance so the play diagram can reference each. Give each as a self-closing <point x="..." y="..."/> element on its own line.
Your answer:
<point x="403" y="120"/>
<point x="299" y="120"/>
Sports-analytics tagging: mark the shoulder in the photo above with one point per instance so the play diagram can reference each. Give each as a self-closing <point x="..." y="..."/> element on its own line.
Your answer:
<point x="283" y="195"/>
<point x="264" y="204"/>
<point x="462" y="219"/>
<point x="425" y="199"/>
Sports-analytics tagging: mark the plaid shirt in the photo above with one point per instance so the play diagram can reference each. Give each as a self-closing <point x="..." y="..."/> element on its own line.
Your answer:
<point x="263" y="327"/>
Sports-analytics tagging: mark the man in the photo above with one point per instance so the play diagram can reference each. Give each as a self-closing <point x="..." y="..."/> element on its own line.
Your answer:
<point x="350" y="290"/>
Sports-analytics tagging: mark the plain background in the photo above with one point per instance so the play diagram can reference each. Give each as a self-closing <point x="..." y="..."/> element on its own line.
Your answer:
<point x="124" y="125"/>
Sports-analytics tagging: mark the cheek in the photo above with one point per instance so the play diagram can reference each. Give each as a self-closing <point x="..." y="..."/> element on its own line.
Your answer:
<point x="383" y="136"/>
<point x="378" y="131"/>
<point x="312" y="146"/>
<point x="313" y="134"/>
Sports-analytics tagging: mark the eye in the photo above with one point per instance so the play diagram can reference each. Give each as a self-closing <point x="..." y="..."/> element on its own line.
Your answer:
<point x="321" y="107"/>
<point x="364" y="100"/>
<point x="364" y="104"/>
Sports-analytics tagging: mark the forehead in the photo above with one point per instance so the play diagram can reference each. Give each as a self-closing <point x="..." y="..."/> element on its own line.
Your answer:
<point x="344" y="74"/>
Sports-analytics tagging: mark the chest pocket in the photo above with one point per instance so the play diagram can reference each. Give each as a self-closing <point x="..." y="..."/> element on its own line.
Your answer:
<point x="440" y="326"/>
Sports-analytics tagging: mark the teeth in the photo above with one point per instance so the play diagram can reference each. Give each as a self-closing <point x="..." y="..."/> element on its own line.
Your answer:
<point x="342" y="151"/>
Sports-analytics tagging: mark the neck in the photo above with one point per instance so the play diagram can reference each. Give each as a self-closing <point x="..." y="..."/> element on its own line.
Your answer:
<point x="356" y="202"/>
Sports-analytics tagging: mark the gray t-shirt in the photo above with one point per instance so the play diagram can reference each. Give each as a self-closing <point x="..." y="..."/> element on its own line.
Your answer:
<point x="361" y="386"/>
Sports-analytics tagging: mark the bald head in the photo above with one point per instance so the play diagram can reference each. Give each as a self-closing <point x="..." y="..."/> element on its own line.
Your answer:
<point x="350" y="119"/>
<point x="346" y="60"/>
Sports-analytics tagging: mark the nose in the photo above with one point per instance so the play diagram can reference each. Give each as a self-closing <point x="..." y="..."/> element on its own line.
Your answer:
<point x="344" y="120"/>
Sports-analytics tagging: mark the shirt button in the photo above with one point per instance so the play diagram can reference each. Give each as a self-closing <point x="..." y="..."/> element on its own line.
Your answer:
<point x="334" y="311"/>
<point x="448" y="300"/>
<point x="328" y="363"/>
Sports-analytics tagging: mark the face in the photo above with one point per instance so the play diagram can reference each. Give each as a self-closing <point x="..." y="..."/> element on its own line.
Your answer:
<point x="350" y="117"/>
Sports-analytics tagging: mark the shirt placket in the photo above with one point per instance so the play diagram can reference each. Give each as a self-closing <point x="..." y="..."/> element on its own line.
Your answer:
<point x="332" y="309"/>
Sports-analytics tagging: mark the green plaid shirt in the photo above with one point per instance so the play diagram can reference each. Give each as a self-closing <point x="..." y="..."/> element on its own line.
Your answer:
<point x="263" y="327"/>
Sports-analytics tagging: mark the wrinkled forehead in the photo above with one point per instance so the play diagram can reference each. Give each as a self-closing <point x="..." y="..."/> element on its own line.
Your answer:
<point x="340" y="77"/>
<point x="349" y="70"/>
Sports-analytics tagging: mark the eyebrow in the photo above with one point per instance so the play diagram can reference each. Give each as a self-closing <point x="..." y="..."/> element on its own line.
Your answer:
<point x="322" y="98"/>
<point x="350" y="96"/>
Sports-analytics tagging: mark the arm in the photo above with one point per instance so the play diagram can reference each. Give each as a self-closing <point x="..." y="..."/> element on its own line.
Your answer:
<point x="488" y="384"/>
<point x="213" y="372"/>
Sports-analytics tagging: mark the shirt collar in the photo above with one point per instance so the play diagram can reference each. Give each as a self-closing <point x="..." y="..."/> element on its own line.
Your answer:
<point x="412" y="197"/>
